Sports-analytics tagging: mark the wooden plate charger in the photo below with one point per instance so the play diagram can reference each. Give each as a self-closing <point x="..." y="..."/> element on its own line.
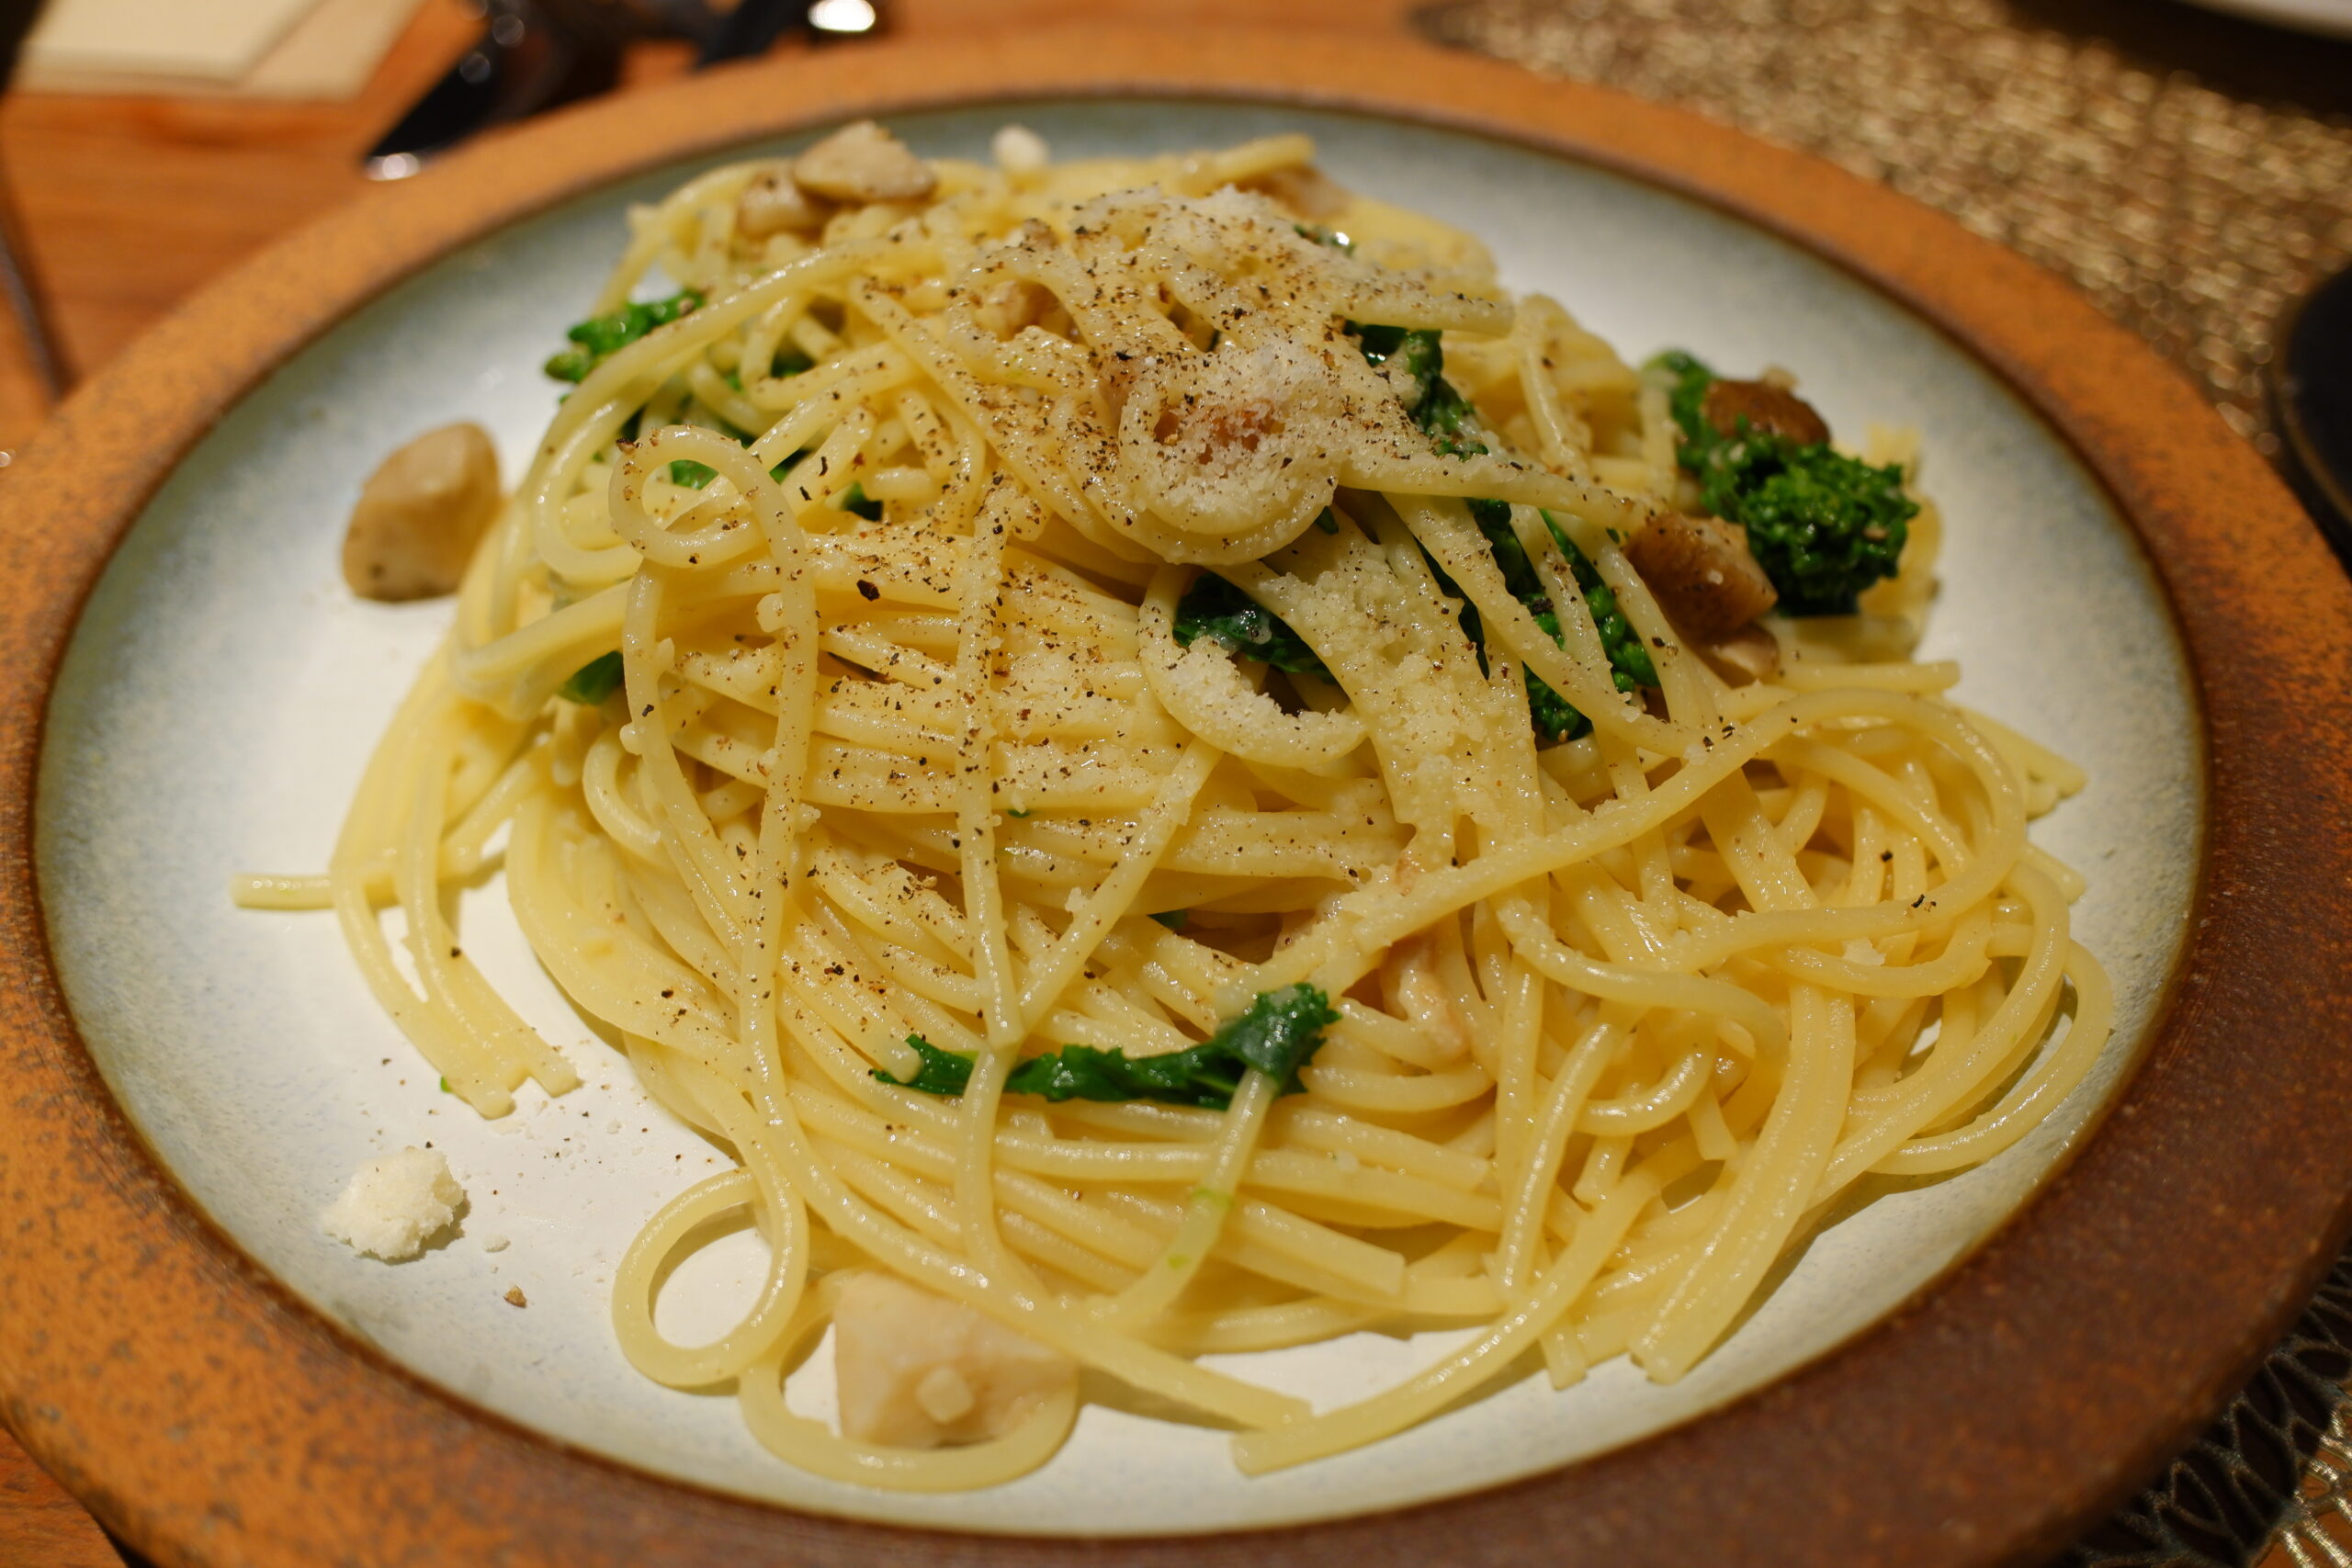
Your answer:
<point x="208" y="1417"/>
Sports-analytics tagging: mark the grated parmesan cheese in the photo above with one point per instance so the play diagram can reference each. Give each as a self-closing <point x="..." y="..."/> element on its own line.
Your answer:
<point x="394" y="1205"/>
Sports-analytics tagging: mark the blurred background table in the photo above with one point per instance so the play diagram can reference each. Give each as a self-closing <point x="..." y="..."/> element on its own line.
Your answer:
<point x="2191" y="171"/>
<point x="132" y="203"/>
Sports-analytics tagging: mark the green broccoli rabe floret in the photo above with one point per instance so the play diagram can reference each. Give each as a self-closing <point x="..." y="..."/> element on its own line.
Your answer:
<point x="599" y="337"/>
<point x="1554" y="716"/>
<point x="1629" y="661"/>
<point x="594" y="681"/>
<point x="1212" y="607"/>
<point x="854" y="499"/>
<point x="1430" y="400"/>
<point x="1279" y="1033"/>
<point x="695" y="476"/>
<point x="1551" y="715"/>
<point x="1822" y="525"/>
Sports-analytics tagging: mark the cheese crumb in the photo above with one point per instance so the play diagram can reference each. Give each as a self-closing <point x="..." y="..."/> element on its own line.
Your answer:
<point x="1020" y="151"/>
<point x="515" y="1296"/>
<point x="494" y="1244"/>
<point x="394" y="1205"/>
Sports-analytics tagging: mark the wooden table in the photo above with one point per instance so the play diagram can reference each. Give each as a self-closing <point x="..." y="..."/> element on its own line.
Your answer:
<point x="39" y="1524"/>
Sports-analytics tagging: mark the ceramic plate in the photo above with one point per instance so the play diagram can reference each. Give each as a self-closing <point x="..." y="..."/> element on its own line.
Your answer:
<point x="220" y="690"/>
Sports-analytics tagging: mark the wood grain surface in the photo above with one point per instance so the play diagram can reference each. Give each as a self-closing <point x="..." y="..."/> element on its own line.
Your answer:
<point x="132" y="203"/>
<point x="40" y="1526"/>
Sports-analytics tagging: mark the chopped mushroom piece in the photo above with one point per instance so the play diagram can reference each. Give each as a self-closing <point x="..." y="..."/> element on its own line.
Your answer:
<point x="1012" y="303"/>
<point x="420" y="515"/>
<point x="916" y="1370"/>
<point x="863" y="163"/>
<point x="774" y="204"/>
<point x="1304" y="190"/>
<point x="1701" y="571"/>
<point x="1746" y="656"/>
<point x="1769" y="407"/>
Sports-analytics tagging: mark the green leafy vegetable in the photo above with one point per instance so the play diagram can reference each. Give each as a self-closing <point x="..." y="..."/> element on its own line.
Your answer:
<point x="1322" y="236"/>
<point x="1629" y="661"/>
<point x="1173" y="918"/>
<point x="854" y="499"/>
<point x="1822" y="525"/>
<point x="695" y="476"/>
<point x="1430" y="400"/>
<point x="1553" y="717"/>
<point x="941" y="1072"/>
<point x="1446" y="416"/>
<point x="599" y="337"/>
<point x="1212" y="607"/>
<point x="789" y="361"/>
<point x="594" y="681"/>
<point x="1279" y="1033"/>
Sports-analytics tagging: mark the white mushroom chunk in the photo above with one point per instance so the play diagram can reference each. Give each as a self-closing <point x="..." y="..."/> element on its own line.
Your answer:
<point x="863" y="163"/>
<point x="395" y="1205"/>
<point x="775" y="204"/>
<point x="916" y="1370"/>
<point x="420" y="515"/>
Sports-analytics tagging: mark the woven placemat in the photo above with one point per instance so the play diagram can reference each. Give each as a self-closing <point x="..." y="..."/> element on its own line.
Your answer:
<point x="2193" y="174"/>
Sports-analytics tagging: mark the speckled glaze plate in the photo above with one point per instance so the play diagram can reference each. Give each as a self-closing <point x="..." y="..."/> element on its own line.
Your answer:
<point x="187" y="1085"/>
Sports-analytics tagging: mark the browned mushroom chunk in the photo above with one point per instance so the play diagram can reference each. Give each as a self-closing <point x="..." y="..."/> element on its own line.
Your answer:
<point x="1746" y="656"/>
<point x="1770" y="410"/>
<point x="420" y="515"/>
<point x="863" y="163"/>
<point x="774" y="204"/>
<point x="1699" y="568"/>
<point x="1302" y="190"/>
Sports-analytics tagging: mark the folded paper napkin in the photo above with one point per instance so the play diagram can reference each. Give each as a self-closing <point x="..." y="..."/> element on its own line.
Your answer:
<point x="264" y="49"/>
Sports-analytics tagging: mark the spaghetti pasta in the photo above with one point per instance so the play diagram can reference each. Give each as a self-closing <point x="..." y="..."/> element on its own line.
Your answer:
<point x="925" y="852"/>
